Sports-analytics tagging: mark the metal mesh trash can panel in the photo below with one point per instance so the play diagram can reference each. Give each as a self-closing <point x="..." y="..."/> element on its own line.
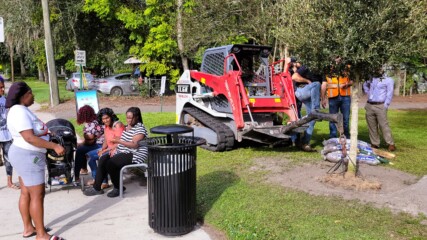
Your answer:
<point x="172" y="184"/>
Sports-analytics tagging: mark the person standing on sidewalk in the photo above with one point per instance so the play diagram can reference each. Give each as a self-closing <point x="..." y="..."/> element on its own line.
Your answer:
<point x="5" y="137"/>
<point x="337" y="90"/>
<point x="27" y="154"/>
<point x="380" y="93"/>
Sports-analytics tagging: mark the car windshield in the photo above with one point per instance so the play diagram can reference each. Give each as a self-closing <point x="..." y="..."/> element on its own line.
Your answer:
<point x="88" y="76"/>
<point x="121" y="76"/>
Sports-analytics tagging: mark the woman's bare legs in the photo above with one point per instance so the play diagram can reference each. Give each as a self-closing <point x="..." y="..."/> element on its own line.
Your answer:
<point x="24" y="209"/>
<point x="31" y="207"/>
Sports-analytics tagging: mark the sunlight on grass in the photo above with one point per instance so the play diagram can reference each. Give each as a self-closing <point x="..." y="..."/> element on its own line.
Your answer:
<point x="239" y="202"/>
<point x="42" y="93"/>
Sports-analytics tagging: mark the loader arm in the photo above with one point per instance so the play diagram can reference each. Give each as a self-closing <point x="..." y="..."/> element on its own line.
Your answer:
<point x="229" y="86"/>
<point x="317" y="116"/>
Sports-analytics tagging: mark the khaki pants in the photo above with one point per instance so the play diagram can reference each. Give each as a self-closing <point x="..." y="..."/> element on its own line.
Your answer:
<point x="376" y="116"/>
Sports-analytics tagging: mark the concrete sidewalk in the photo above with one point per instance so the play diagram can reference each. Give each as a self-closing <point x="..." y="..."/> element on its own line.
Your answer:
<point x="72" y="215"/>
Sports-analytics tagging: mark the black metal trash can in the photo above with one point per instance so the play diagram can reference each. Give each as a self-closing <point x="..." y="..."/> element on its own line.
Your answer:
<point x="172" y="180"/>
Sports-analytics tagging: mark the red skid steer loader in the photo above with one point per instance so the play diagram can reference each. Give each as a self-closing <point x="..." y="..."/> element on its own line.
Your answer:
<point x="239" y="95"/>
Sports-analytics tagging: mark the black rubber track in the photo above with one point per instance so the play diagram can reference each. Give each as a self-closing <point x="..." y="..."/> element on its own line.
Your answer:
<point x="224" y="134"/>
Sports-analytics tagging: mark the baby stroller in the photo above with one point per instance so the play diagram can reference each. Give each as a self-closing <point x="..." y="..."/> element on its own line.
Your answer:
<point x="60" y="168"/>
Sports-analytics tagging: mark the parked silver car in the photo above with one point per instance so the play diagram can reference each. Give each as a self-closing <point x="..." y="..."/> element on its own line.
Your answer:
<point x="117" y="85"/>
<point x="73" y="82"/>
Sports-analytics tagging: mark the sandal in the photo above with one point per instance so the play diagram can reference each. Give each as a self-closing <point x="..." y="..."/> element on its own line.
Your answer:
<point x="105" y="185"/>
<point x="46" y="229"/>
<point x="84" y="172"/>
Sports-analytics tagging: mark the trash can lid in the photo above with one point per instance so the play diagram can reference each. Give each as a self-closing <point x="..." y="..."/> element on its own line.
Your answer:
<point x="171" y="129"/>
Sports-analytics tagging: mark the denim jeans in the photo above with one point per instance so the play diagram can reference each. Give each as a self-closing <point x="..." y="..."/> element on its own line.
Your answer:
<point x="5" y="147"/>
<point x="340" y="104"/>
<point x="92" y="158"/>
<point x="310" y="97"/>
<point x="80" y="158"/>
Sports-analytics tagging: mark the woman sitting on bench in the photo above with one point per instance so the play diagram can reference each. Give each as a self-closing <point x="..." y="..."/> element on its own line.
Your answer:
<point x="128" y="152"/>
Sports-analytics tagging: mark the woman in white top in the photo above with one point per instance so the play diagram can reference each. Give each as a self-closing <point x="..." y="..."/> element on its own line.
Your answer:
<point x="28" y="157"/>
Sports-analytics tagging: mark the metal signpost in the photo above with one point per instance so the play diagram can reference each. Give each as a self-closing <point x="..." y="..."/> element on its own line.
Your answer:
<point x="80" y="60"/>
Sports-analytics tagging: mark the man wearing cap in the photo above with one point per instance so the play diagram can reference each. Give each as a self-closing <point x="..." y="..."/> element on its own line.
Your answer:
<point x="380" y="93"/>
<point x="337" y="90"/>
<point x="308" y="92"/>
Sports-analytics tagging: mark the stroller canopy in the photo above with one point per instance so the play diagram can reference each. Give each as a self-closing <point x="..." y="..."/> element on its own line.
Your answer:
<point x="60" y="126"/>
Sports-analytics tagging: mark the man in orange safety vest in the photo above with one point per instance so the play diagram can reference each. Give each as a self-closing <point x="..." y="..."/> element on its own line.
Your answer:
<point x="337" y="89"/>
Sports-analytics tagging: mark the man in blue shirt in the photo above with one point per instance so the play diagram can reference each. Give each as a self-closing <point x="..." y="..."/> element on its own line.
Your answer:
<point x="380" y="93"/>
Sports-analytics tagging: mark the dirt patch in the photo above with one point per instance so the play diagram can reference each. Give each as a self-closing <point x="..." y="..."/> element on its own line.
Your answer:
<point x="120" y="104"/>
<point x="399" y="191"/>
<point x="351" y="182"/>
<point x="117" y="102"/>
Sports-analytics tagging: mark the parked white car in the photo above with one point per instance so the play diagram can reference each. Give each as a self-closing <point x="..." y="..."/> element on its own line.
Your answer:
<point x="117" y="85"/>
<point x="73" y="82"/>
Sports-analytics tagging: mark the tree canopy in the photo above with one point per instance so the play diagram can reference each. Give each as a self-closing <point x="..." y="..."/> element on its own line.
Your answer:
<point x="165" y="33"/>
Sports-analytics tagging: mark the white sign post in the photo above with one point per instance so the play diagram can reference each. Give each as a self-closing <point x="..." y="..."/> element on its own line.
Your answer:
<point x="80" y="60"/>
<point x="1" y="30"/>
<point x="162" y="91"/>
<point x="162" y="85"/>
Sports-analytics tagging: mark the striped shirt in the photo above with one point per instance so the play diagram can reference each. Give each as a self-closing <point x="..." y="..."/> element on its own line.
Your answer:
<point x="140" y="154"/>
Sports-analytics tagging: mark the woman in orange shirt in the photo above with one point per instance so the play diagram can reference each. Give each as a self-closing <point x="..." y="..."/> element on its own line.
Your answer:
<point x="113" y="129"/>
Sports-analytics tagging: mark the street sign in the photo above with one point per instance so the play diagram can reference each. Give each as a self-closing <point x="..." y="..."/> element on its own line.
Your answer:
<point x="80" y="58"/>
<point x="1" y="30"/>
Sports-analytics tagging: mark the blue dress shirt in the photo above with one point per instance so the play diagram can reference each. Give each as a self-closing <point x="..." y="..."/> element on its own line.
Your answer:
<point x="380" y="90"/>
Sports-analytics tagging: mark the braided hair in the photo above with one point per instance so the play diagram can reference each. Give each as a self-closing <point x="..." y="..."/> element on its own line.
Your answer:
<point x="109" y="112"/>
<point x="86" y="114"/>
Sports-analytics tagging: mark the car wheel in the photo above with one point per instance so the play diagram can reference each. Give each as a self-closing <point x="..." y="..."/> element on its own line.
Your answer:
<point x="116" y="91"/>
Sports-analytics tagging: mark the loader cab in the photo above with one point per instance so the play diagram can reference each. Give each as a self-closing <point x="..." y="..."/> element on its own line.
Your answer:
<point x="253" y="62"/>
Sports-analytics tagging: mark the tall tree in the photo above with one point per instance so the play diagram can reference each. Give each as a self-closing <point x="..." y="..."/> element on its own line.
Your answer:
<point x="53" y="82"/>
<point x="363" y="33"/>
<point x="151" y="25"/>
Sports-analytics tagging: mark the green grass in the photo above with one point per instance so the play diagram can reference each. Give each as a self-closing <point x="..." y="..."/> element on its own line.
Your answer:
<point x="42" y="93"/>
<point x="234" y="198"/>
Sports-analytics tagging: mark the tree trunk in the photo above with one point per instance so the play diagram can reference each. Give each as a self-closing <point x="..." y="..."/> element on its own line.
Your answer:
<point x="40" y="71"/>
<point x="398" y="83"/>
<point x="46" y="76"/>
<point x="12" y="68"/>
<point x="53" y="81"/>
<point x="184" y="59"/>
<point x="22" y="64"/>
<point x="352" y="164"/>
